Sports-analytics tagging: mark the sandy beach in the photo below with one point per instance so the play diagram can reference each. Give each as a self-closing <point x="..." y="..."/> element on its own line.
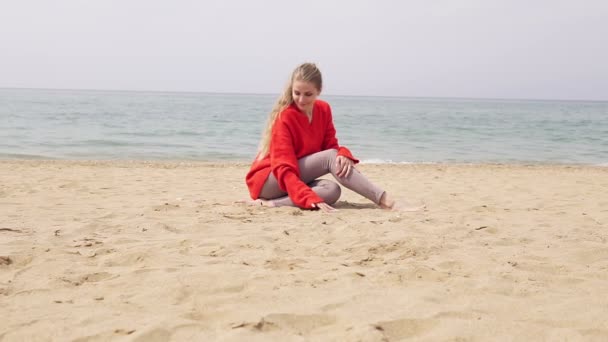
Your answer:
<point x="156" y="251"/>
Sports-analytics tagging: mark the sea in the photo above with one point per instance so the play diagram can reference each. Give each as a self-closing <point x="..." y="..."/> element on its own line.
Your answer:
<point x="134" y="125"/>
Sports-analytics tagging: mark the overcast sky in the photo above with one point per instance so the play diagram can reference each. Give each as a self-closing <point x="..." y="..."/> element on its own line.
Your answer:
<point x="543" y="49"/>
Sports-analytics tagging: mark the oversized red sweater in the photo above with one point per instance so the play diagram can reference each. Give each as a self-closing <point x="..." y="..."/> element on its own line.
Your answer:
<point x="294" y="137"/>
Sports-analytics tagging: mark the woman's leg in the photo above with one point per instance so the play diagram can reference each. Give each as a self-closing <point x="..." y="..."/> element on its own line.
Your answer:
<point x="329" y="191"/>
<point x="317" y="165"/>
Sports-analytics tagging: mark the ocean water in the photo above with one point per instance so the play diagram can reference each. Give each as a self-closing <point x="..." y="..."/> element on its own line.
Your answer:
<point x="85" y="124"/>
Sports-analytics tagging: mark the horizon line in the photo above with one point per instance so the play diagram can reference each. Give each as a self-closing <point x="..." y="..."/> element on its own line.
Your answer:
<point x="276" y="94"/>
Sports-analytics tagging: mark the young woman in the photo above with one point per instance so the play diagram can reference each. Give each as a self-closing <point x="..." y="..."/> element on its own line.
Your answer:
<point x="298" y="146"/>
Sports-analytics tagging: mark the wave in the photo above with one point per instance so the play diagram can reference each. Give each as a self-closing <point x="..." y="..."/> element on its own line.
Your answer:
<point x="25" y="156"/>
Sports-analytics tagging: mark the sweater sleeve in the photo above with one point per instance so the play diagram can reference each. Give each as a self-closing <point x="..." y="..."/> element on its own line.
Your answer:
<point x="331" y="142"/>
<point x="284" y="165"/>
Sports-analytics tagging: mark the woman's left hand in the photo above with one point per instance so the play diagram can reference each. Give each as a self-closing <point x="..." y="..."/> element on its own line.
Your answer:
<point x="325" y="207"/>
<point x="344" y="166"/>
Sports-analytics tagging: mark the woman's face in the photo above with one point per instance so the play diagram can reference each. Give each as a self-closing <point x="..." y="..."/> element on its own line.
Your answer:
<point x="304" y="95"/>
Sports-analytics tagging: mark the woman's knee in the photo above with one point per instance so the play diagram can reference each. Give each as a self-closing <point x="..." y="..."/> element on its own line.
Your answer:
<point x="332" y="153"/>
<point x="330" y="159"/>
<point x="331" y="191"/>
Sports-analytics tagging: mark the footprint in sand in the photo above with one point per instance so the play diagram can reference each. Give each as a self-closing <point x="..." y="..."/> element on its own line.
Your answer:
<point x="126" y="259"/>
<point x="86" y="242"/>
<point x="405" y="328"/>
<point x="88" y="278"/>
<point x="163" y="226"/>
<point x="166" y="207"/>
<point x="5" y="260"/>
<point x="413" y="273"/>
<point x="300" y="324"/>
<point x="107" y="335"/>
<point x="156" y="334"/>
<point x="18" y="261"/>
<point x="591" y="255"/>
<point x="457" y="315"/>
<point x="278" y="264"/>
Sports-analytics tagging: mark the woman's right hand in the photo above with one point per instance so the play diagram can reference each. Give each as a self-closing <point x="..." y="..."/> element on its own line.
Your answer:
<point x="325" y="207"/>
<point x="344" y="166"/>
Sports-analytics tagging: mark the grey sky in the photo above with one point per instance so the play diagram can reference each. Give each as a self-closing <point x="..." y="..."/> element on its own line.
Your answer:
<point x="468" y="48"/>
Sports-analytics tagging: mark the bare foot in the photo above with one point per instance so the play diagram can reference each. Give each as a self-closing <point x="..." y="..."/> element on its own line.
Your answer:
<point x="387" y="203"/>
<point x="256" y="203"/>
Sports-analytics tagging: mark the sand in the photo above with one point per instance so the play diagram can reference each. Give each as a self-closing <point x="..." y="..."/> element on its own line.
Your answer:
<point x="137" y="251"/>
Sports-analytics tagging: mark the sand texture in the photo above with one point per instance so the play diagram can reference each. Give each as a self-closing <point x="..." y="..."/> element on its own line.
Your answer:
<point x="137" y="251"/>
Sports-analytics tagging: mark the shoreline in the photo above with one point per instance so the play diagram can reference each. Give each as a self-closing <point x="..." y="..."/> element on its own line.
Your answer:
<point x="189" y="162"/>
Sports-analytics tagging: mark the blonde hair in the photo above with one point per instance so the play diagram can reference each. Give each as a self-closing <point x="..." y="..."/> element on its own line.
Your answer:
<point x="307" y="72"/>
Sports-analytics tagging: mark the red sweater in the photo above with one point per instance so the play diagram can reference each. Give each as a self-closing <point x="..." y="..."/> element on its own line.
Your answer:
<point x="294" y="137"/>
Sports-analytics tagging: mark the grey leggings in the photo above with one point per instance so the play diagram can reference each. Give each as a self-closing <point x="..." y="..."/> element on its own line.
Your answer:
<point x="317" y="165"/>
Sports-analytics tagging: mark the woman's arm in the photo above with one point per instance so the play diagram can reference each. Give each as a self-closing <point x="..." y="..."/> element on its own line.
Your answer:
<point x="330" y="141"/>
<point x="284" y="165"/>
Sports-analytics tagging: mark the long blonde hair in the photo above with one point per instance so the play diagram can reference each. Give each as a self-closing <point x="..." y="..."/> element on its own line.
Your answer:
<point x="307" y="72"/>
